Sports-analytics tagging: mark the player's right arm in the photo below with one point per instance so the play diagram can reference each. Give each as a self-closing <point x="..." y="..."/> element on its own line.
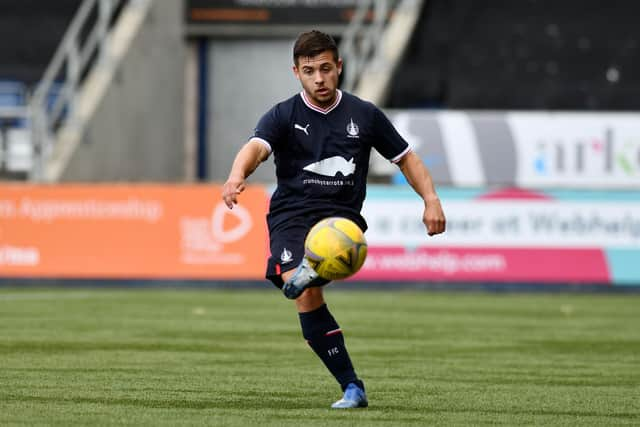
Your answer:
<point x="247" y="160"/>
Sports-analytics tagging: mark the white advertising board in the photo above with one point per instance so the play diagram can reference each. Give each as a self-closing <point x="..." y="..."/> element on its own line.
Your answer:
<point x="525" y="149"/>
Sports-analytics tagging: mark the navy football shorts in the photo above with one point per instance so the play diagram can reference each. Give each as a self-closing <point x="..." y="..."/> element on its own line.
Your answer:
<point x="286" y="242"/>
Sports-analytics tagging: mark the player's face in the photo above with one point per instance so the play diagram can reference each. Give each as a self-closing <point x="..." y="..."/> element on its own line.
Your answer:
<point x="319" y="77"/>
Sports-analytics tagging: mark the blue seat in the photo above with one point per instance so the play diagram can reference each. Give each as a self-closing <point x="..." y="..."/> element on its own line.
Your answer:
<point x="12" y="93"/>
<point x="19" y="150"/>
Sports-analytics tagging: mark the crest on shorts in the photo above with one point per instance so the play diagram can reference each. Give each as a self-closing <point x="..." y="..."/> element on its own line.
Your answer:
<point x="286" y="256"/>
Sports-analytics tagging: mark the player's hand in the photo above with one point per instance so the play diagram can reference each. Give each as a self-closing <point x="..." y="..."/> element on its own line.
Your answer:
<point x="433" y="217"/>
<point x="230" y="191"/>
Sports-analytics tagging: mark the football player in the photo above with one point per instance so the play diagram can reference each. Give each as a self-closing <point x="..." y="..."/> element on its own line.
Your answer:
<point x="321" y="140"/>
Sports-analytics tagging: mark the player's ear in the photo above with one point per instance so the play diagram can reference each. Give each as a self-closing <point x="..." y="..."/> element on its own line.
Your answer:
<point x="339" y="65"/>
<point x="296" y="72"/>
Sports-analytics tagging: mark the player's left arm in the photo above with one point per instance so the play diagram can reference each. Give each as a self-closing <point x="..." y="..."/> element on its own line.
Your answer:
<point x="419" y="178"/>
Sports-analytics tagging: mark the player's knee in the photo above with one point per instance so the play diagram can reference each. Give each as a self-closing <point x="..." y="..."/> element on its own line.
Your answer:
<point x="311" y="299"/>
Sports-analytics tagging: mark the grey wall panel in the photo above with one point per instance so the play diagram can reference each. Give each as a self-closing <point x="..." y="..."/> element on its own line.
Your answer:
<point x="246" y="78"/>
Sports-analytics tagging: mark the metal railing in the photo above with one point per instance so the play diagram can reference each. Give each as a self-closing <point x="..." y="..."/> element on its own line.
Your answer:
<point x="54" y="100"/>
<point x="362" y="37"/>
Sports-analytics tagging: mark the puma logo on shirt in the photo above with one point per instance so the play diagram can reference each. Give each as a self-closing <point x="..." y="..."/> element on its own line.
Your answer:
<point x="303" y="129"/>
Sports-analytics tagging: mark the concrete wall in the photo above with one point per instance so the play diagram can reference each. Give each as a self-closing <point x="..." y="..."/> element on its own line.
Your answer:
<point x="137" y="131"/>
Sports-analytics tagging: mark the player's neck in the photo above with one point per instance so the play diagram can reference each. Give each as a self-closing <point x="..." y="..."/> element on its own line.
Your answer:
<point x="322" y="106"/>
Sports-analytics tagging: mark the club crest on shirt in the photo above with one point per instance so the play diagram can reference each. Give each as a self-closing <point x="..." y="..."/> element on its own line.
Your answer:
<point x="286" y="256"/>
<point x="353" y="131"/>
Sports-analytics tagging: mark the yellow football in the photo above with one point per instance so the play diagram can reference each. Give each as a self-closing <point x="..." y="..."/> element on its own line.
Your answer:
<point x="336" y="248"/>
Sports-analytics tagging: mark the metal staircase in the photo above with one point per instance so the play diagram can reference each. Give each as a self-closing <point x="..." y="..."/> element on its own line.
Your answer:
<point x="85" y="60"/>
<point x="374" y="43"/>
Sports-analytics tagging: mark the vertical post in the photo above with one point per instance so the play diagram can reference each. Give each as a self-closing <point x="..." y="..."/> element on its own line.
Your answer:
<point x="3" y="147"/>
<point x="39" y="135"/>
<point x="203" y="109"/>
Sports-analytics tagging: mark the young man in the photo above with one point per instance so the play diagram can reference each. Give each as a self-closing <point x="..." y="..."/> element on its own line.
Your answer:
<point x="321" y="141"/>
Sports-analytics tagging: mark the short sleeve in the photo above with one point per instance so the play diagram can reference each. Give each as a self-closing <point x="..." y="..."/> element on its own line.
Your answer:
<point x="387" y="140"/>
<point x="269" y="128"/>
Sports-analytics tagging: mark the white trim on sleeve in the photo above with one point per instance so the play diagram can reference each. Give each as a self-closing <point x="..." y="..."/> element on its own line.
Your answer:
<point x="397" y="158"/>
<point x="263" y="142"/>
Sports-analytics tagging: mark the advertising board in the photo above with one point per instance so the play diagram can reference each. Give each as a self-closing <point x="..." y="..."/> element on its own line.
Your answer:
<point x="130" y="231"/>
<point x="506" y="236"/>
<point x="525" y="149"/>
<point x="186" y="232"/>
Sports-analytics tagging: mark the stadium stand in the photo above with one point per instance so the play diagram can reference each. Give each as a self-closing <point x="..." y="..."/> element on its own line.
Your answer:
<point x="13" y="96"/>
<point x="15" y="144"/>
<point x="68" y="50"/>
<point x="497" y="55"/>
<point x="532" y="54"/>
<point x="25" y="58"/>
<point x="23" y="62"/>
<point x="12" y="93"/>
<point x="19" y="151"/>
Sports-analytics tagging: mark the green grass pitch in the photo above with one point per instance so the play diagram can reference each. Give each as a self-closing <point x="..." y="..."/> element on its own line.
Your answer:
<point x="236" y="358"/>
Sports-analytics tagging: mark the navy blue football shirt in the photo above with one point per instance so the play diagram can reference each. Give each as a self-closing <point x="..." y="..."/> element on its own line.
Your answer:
<point x="322" y="155"/>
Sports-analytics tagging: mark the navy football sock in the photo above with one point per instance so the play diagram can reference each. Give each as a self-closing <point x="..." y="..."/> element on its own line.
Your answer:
<point x="324" y="336"/>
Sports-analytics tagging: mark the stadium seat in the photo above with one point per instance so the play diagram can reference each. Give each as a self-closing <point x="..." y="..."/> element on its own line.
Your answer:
<point x="19" y="150"/>
<point x="3" y="149"/>
<point x="12" y="93"/>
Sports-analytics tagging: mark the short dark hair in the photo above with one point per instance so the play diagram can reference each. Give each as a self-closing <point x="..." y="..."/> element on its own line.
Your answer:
<point x="312" y="43"/>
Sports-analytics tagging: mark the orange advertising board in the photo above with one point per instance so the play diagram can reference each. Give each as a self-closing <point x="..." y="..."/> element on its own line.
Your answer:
<point x="131" y="231"/>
